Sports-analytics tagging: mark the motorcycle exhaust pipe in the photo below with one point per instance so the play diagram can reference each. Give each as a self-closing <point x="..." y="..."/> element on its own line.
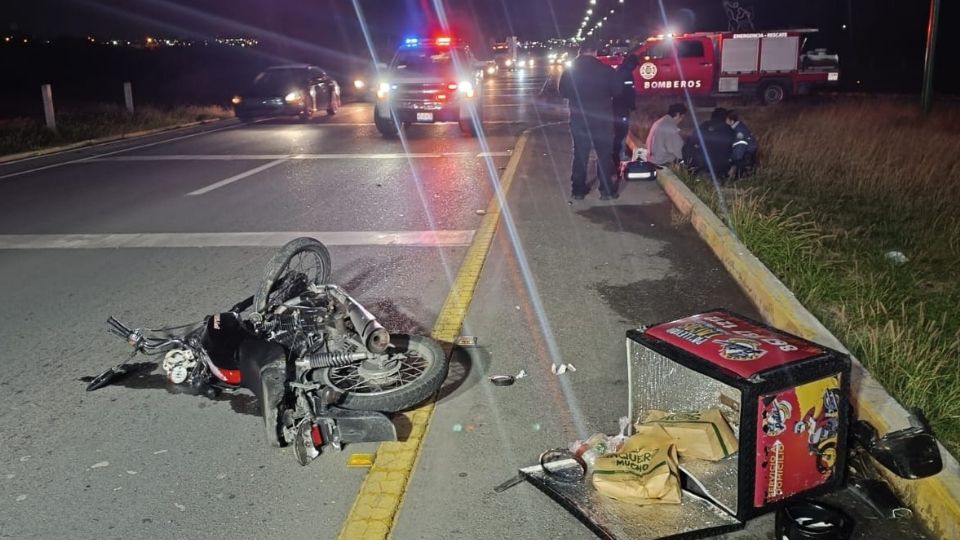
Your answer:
<point x="374" y="336"/>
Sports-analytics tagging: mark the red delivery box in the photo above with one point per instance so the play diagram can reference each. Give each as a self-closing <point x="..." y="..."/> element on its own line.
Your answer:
<point x="786" y="398"/>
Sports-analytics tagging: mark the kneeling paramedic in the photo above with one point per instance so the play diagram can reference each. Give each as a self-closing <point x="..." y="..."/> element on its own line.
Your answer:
<point x="744" y="153"/>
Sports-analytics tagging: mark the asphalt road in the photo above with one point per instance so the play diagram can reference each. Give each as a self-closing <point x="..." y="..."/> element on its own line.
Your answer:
<point x="167" y="229"/>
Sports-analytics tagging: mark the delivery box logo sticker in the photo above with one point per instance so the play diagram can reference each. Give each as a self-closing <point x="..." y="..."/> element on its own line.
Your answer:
<point x="741" y="349"/>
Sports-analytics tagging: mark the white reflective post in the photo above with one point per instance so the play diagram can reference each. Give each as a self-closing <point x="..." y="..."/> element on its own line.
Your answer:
<point x="128" y="96"/>
<point x="47" y="94"/>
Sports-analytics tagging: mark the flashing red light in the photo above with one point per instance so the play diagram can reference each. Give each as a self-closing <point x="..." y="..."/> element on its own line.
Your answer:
<point x="452" y="86"/>
<point x="443" y="41"/>
<point x="441" y="97"/>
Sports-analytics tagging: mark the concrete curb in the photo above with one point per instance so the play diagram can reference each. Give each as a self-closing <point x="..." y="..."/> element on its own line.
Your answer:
<point x="935" y="499"/>
<point x="102" y="140"/>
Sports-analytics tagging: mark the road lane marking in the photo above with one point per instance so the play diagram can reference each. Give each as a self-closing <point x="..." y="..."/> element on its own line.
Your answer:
<point x="236" y="177"/>
<point x="377" y="506"/>
<point x="127" y="149"/>
<point x="506" y="153"/>
<point x="443" y="238"/>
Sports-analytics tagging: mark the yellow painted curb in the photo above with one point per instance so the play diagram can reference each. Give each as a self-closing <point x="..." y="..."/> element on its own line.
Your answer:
<point x="935" y="499"/>
<point x="378" y="502"/>
<point x="102" y="140"/>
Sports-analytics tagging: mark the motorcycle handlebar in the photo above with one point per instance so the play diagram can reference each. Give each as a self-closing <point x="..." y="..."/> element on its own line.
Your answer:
<point x="136" y="339"/>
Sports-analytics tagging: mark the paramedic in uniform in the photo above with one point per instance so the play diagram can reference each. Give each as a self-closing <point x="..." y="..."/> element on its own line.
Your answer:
<point x="744" y="154"/>
<point x="589" y="86"/>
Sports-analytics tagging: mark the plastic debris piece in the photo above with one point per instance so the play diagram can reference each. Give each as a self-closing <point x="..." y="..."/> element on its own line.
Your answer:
<point x="457" y="428"/>
<point x="536" y="426"/>
<point x="570" y="367"/>
<point x="481" y="212"/>
<point x="897" y="257"/>
<point x="502" y="380"/>
<point x="562" y="369"/>
<point x="360" y="461"/>
<point x="99" y="465"/>
<point x="553" y="369"/>
<point x="522" y="374"/>
<point x="518" y="308"/>
<point x="466" y="341"/>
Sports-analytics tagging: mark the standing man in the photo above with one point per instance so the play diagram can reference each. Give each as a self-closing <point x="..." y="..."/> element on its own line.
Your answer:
<point x="623" y="105"/>
<point x="589" y="86"/>
<point x="664" y="142"/>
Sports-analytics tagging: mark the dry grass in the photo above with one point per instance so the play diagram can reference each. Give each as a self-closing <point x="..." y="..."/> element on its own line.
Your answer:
<point x="840" y="184"/>
<point x="25" y="134"/>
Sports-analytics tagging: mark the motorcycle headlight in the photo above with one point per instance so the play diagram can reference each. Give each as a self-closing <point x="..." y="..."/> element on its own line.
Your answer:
<point x="293" y="96"/>
<point x="236" y="100"/>
<point x="491" y="70"/>
<point x="508" y="63"/>
<point x="383" y="90"/>
<point x="359" y="84"/>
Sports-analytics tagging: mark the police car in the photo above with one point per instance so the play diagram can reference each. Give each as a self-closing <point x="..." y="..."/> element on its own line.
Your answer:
<point x="429" y="81"/>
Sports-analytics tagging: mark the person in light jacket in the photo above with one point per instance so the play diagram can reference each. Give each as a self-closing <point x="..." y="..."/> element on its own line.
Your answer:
<point x="664" y="142"/>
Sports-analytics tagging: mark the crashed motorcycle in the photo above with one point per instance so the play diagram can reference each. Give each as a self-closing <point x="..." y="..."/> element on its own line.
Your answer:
<point x="324" y="370"/>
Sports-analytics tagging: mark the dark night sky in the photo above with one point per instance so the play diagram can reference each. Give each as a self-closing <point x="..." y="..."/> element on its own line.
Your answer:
<point x="884" y="34"/>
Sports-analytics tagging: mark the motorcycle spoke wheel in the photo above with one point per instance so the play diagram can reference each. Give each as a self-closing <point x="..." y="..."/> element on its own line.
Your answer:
<point x="417" y="368"/>
<point x="298" y="264"/>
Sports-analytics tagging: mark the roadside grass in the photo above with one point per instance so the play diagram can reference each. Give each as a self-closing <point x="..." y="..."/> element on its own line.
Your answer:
<point x="25" y="134"/>
<point x="841" y="183"/>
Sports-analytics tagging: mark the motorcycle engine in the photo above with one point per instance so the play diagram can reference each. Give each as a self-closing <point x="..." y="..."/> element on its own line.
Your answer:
<point x="178" y="364"/>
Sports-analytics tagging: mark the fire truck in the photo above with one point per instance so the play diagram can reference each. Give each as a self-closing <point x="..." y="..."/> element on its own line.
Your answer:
<point x="771" y="65"/>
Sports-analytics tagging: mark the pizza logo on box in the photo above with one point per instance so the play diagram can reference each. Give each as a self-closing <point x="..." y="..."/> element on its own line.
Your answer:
<point x="741" y="349"/>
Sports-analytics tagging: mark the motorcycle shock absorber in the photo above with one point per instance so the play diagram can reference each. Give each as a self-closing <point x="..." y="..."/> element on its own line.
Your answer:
<point x="331" y="359"/>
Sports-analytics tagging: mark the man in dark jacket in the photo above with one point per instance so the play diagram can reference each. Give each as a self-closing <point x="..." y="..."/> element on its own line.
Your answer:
<point x="589" y="86"/>
<point x="623" y="105"/>
<point x="716" y="146"/>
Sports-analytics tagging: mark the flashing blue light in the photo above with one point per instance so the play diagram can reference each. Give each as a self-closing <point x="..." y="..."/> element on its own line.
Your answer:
<point x="411" y="42"/>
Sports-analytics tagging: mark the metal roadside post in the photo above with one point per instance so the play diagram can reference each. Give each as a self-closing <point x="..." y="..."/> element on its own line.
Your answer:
<point x="128" y="96"/>
<point x="47" y="92"/>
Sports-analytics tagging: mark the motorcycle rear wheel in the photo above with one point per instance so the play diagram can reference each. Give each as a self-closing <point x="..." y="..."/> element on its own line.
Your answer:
<point x="420" y="370"/>
<point x="305" y="256"/>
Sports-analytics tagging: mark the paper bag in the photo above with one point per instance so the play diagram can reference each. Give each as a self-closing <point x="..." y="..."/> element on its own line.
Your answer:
<point x="699" y="435"/>
<point x="644" y="471"/>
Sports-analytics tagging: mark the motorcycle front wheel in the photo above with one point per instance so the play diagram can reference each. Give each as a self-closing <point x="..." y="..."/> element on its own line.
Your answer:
<point x="417" y="368"/>
<point x="298" y="263"/>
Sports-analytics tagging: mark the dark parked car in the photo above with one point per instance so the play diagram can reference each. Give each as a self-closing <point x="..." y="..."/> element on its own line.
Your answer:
<point x="289" y="91"/>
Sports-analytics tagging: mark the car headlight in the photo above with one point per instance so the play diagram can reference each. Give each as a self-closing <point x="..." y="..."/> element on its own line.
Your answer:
<point x="359" y="84"/>
<point x="508" y="63"/>
<point x="236" y="100"/>
<point x="568" y="63"/>
<point x="466" y="88"/>
<point x="491" y="70"/>
<point x="383" y="90"/>
<point x="530" y="63"/>
<point x="293" y="96"/>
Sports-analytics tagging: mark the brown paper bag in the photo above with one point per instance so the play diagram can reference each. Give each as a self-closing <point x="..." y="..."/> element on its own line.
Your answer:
<point x="699" y="435"/>
<point x="643" y="472"/>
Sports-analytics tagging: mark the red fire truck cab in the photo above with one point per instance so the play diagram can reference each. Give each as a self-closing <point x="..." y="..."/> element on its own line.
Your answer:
<point x="771" y="65"/>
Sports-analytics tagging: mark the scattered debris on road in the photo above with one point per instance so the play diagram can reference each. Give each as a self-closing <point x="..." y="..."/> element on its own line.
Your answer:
<point x="466" y="341"/>
<point x="100" y="465"/>
<point x="502" y="380"/>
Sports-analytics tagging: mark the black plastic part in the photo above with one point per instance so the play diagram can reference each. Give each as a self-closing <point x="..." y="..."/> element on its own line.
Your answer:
<point x="812" y="521"/>
<point x="360" y="426"/>
<point x="910" y="453"/>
